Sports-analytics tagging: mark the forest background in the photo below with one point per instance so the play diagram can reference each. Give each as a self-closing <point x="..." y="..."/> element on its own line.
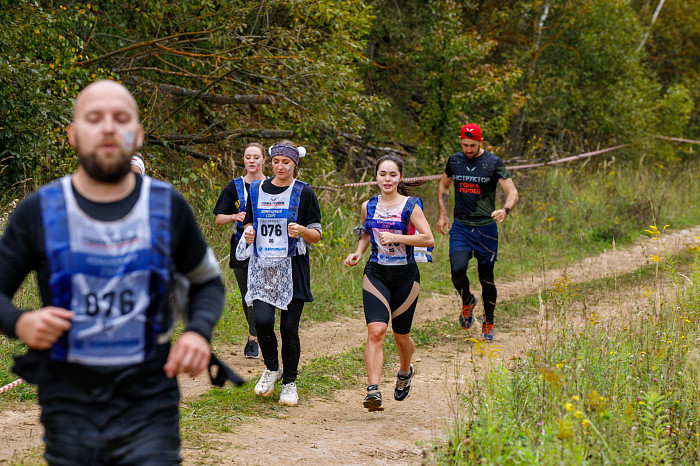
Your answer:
<point x="353" y="80"/>
<point x="350" y="80"/>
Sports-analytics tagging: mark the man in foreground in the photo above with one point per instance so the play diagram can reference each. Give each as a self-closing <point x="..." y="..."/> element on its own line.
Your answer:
<point x="474" y="232"/>
<point x="105" y="244"/>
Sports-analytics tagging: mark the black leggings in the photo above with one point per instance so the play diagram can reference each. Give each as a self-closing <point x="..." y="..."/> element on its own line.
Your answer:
<point x="289" y="330"/>
<point x="242" y="280"/>
<point x="459" y="261"/>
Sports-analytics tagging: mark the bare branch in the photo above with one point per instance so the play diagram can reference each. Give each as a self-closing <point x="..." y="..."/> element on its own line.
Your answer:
<point x="140" y="45"/>
<point x="225" y="136"/>
<point x="653" y="20"/>
<point x="206" y="96"/>
<point x="183" y="149"/>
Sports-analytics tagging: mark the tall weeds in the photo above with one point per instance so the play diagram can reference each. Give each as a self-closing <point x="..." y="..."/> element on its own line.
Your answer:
<point x="619" y="387"/>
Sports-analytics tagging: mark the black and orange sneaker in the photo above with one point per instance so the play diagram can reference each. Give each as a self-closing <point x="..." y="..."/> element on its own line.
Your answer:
<point x="466" y="318"/>
<point x="486" y="330"/>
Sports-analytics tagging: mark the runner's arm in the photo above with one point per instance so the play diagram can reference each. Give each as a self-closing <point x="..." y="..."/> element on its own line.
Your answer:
<point x="227" y="206"/>
<point x="309" y="218"/>
<point x="443" y="198"/>
<point x="424" y="238"/>
<point x="511" y="199"/>
<point x="20" y="249"/>
<point x="193" y="258"/>
<point x="362" y="244"/>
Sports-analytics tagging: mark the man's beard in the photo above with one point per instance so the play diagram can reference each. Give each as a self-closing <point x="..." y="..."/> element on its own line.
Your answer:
<point x="99" y="171"/>
<point x="105" y="174"/>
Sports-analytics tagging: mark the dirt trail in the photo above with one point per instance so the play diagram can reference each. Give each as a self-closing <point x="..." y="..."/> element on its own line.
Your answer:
<point x="341" y="432"/>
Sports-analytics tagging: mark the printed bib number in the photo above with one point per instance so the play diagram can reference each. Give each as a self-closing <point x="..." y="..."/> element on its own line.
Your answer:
<point x="108" y="303"/>
<point x="271" y="230"/>
<point x="272" y="237"/>
<point x="109" y="323"/>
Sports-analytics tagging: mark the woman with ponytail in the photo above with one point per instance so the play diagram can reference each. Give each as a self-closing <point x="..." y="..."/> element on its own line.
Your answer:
<point x="230" y="209"/>
<point x="393" y="224"/>
<point x="282" y="217"/>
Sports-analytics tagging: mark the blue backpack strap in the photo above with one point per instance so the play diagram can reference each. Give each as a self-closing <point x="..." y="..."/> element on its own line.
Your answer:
<point x="254" y="193"/>
<point x="371" y="208"/>
<point x="407" y="211"/>
<point x="160" y="222"/>
<point x="240" y="192"/>
<point x="293" y="213"/>
<point x="54" y="218"/>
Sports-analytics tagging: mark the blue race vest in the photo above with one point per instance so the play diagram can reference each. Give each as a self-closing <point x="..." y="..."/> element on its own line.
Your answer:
<point x="115" y="275"/>
<point x="271" y="215"/>
<point x="392" y="221"/>
<point x="242" y="198"/>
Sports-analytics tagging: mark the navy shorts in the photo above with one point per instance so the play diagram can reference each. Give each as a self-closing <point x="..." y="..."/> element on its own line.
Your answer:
<point x="71" y="439"/>
<point x="480" y="241"/>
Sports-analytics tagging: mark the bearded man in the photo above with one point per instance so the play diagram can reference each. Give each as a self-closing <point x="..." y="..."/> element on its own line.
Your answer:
<point x="105" y="244"/>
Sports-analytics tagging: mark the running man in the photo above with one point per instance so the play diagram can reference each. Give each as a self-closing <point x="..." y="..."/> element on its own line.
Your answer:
<point x="474" y="231"/>
<point x="105" y="244"/>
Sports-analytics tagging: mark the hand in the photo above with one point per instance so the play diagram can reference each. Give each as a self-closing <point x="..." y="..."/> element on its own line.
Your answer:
<point x="249" y="235"/>
<point x="239" y="217"/>
<point x="387" y="238"/>
<point x="442" y="224"/>
<point x="353" y="259"/>
<point x="295" y="230"/>
<point x="41" y="329"/>
<point x="189" y="355"/>
<point x="499" y="215"/>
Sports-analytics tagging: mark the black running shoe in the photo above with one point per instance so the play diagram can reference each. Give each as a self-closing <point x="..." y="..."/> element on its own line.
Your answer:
<point x="373" y="400"/>
<point x="251" y="350"/>
<point x="403" y="386"/>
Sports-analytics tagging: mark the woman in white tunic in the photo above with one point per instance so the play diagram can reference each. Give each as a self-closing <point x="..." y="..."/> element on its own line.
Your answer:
<point x="282" y="217"/>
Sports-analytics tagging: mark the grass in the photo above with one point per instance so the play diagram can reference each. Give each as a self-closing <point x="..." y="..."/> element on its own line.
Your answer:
<point x="563" y="217"/>
<point x="624" y="391"/>
<point x="221" y="410"/>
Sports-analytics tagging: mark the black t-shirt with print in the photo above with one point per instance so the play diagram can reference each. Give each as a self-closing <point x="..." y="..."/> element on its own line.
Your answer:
<point x="475" y="181"/>
<point x="309" y="213"/>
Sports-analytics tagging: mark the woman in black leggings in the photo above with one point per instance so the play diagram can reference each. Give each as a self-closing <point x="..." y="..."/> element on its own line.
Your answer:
<point x="230" y="209"/>
<point x="391" y="280"/>
<point x="282" y="217"/>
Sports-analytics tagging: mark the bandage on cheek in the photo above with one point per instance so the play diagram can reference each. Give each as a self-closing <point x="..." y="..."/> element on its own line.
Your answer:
<point x="129" y="141"/>
<point x="290" y="168"/>
<point x="395" y="180"/>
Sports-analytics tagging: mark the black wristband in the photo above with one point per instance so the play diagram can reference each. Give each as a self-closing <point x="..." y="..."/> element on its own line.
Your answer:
<point x="507" y="210"/>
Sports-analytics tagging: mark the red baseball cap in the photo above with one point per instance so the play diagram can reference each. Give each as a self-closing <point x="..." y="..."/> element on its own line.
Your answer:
<point x="471" y="131"/>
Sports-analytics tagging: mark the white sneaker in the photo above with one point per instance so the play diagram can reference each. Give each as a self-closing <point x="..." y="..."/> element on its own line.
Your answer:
<point x="266" y="384"/>
<point x="289" y="396"/>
